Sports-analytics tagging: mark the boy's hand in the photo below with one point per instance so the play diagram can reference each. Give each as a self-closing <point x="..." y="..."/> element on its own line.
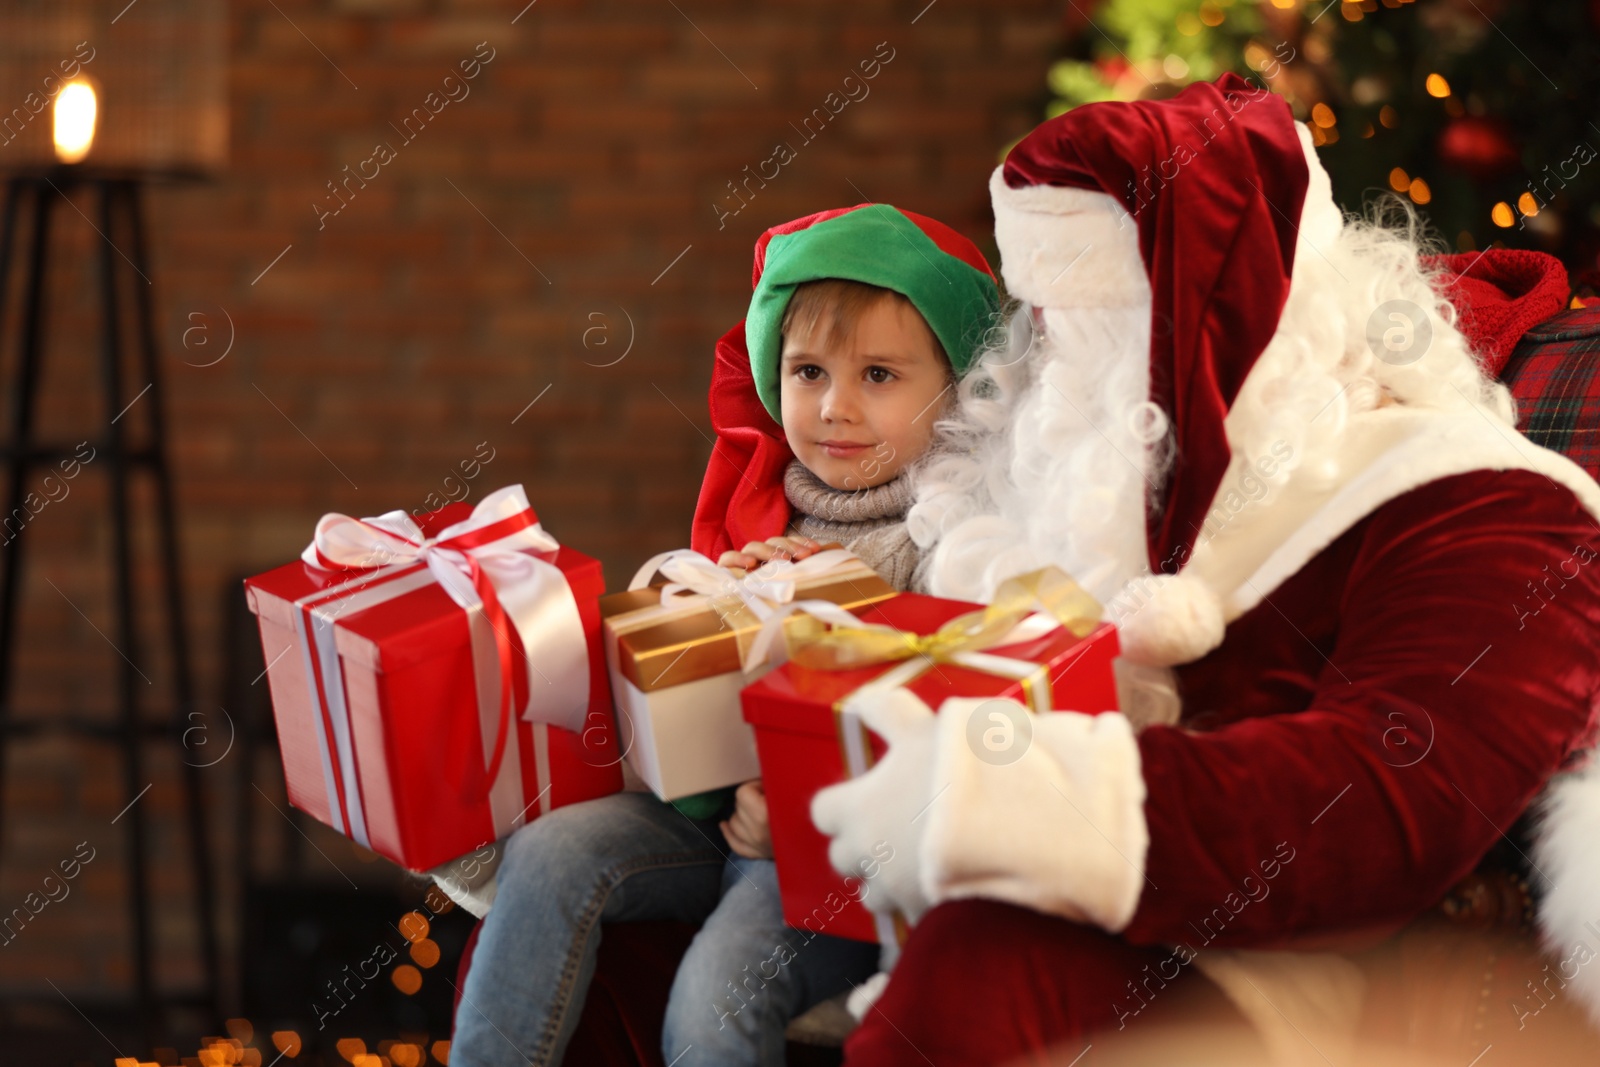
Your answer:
<point x="758" y="552"/>
<point x="747" y="832"/>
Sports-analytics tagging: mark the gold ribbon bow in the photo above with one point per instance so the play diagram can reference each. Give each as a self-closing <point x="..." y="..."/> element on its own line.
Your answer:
<point x="1047" y="590"/>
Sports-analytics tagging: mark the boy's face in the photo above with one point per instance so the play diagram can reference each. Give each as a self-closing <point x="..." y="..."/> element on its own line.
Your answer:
<point x="856" y="413"/>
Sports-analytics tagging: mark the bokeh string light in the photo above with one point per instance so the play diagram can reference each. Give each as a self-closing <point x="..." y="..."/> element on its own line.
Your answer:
<point x="240" y="1048"/>
<point x="1484" y="108"/>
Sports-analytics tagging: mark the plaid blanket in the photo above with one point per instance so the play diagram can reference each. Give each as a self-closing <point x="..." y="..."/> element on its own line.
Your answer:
<point x="1554" y="373"/>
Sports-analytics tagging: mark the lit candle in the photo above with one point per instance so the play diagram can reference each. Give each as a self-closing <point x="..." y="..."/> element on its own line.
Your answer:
<point x="75" y="114"/>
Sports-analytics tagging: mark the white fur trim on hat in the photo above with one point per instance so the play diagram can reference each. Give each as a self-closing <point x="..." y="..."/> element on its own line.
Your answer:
<point x="1067" y="247"/>
<point x="1063" y="247"/>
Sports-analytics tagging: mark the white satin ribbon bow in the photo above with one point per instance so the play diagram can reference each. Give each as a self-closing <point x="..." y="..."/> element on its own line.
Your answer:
<point x="766" y="591"/>
<point x="497" y="562"/>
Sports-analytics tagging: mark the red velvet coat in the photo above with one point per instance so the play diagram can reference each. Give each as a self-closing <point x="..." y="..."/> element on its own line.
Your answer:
<point x="1356" y="745"/>
<point x="1386" y="713"/>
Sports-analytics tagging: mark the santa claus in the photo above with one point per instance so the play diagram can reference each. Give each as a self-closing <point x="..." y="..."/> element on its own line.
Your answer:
<point x="1358" y="609"/>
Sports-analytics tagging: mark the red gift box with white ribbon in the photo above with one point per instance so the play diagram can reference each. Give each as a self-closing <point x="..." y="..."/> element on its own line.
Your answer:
<point x="437" y="683"/>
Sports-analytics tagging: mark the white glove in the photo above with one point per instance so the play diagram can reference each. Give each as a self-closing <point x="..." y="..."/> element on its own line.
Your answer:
<point x="1045" y="811"/>
<point x="877" y="820"/>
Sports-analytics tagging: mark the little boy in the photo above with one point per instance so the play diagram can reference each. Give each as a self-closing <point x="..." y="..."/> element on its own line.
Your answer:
<point x="860" y="322"/>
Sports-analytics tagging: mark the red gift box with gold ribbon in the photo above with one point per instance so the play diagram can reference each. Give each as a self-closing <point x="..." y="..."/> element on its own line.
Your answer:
<point x="437" y="683"/>
<point x="808" y="740"/>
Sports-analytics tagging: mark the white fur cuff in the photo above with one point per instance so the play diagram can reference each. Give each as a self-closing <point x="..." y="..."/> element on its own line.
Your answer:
<point x="1168" y="619"/>
<point x="1569" y="921"/>
<point x="1044" y="811"/>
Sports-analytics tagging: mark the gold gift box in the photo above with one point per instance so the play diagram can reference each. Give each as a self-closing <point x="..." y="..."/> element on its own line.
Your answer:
<point x="658" y="646"/>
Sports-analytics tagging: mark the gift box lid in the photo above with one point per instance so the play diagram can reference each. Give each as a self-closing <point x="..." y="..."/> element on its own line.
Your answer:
<point x="416" y="625"/>
<point x="266" y="593"/>
<point x="771" y="702"/>
<point x="657" y="647"/>
<point x="430" y="622"/>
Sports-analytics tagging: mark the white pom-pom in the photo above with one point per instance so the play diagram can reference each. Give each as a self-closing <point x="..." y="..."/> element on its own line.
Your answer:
<point x="1167" y="619"/>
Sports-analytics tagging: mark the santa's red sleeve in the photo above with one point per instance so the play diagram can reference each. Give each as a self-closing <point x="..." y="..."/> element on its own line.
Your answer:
<point x="1360" y="740"/>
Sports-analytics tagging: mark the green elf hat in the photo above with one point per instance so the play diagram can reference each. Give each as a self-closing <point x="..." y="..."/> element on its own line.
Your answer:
<point x="942" y="273"/>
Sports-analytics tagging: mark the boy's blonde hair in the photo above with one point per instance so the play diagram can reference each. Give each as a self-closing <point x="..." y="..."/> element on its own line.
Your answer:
<point x="837" y="305"/>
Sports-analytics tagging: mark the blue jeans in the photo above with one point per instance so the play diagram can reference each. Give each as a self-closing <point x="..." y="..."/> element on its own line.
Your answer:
<point x="747" y="974"/>
<point x="630" y="857"/>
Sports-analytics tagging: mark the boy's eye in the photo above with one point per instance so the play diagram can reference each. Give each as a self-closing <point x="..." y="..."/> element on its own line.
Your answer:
<point x="879" y="375"/>
<point x="808" y="372"/>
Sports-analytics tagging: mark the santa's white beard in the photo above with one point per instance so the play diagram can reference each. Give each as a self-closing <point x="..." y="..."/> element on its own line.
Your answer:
<point x="1051" y="453"/>
<point x="1047" y="458"/>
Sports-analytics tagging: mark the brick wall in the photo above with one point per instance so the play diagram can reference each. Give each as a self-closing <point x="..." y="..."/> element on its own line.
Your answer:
<point x="560" y="214"/>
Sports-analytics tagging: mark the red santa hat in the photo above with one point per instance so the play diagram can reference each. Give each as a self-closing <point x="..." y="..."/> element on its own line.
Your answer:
<point x="742" y="497"/>
<point x="1194" y="204"/>
<point x="1197" y="204"/>
<point x="1214" y="180"/>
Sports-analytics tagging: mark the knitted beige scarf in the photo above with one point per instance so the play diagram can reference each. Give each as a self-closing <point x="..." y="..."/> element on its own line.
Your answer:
<point x="869" y="522"/>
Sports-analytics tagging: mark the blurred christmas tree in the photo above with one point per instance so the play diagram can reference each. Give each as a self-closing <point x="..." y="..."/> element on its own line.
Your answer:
<point x="1485" y="113"/>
